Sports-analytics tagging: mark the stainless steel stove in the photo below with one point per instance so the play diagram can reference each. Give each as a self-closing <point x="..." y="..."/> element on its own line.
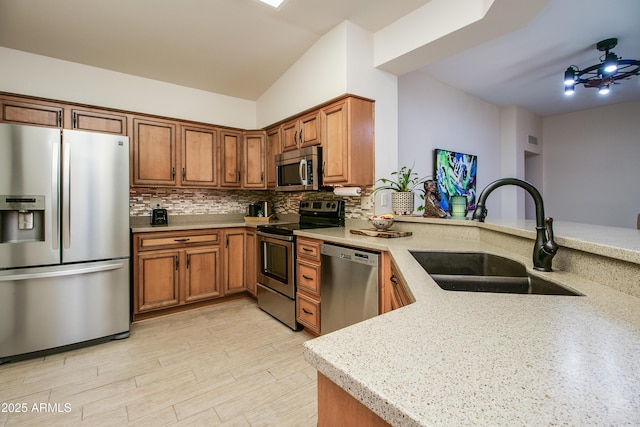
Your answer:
<point x="277" y="257"/>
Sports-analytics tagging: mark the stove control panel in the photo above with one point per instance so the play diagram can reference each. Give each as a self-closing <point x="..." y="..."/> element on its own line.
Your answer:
<point x="328" y="206"/>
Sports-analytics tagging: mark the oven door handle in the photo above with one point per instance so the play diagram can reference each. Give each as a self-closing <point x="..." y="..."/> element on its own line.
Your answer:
<point x="303" y="172"/>
<point x="275" y="236"/>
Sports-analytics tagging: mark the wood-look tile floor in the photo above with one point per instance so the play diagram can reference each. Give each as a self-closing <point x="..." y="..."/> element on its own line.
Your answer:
<point x="225" y="365"/>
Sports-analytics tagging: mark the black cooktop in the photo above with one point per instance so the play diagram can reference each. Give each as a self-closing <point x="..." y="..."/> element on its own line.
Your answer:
<point x="313" y="214"/>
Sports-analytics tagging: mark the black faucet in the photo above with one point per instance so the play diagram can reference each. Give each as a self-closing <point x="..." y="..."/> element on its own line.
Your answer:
<point x="545" y="248"/>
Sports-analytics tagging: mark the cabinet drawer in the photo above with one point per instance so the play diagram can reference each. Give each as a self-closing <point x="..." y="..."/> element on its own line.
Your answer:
<point x="156" y="242"/>
<point x="309" y="248"/>
<point x="309" y="277"/>
<point x="308" y="312"/>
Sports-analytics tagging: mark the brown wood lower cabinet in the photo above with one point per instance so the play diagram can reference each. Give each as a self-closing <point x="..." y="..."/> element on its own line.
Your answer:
<point x="234" y="272"/>
<point x="158" y="279"/>
<point x="393" y="291"/>
<point x="174" y="270"/>
<point x="336" y="407"/>
<point x="202" y="273"/>
<point x="308" y="283"/>
<point x="250" y="261"/>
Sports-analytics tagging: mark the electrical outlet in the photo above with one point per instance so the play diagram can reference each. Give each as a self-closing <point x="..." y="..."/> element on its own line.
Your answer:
<point x="155" y="202"/>
<point x="366" y="202"/>
<point x="384" y="200"/>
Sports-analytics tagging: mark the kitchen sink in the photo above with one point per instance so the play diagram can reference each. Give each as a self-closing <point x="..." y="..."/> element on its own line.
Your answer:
<point x="483" y="272"/>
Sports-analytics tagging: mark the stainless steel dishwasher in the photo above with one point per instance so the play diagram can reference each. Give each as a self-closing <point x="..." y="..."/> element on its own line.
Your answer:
<point x="349" y="286"/>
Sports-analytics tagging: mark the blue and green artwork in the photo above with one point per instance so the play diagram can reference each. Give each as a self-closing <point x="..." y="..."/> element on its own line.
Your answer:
<point x="455" y="175"/>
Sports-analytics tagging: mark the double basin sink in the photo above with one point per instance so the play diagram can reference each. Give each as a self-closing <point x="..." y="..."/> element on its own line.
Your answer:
<point x="484" y="272"/>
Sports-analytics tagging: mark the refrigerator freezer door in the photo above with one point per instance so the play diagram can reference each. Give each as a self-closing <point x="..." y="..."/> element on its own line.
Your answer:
<point x="47" y="307"/>
<point x="95" y="203"/>
<point x="29" y="196"/>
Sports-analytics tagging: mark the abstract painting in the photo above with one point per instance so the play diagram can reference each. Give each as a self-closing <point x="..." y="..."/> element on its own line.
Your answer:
<point x="455" y="173"/>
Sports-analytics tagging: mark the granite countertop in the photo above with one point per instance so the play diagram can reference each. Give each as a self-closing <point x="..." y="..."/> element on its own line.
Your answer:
<point x="142" y="224"/>
<point x="462" y="358"/>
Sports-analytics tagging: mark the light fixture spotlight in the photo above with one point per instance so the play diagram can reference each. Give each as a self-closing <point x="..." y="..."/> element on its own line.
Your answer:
<point x="603" y="75"/>
<point x="273" y="3"/>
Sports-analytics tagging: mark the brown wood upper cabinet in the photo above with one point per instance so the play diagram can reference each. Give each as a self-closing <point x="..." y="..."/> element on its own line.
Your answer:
<point x="303" y="131"/>
<point x="253" y="161"/>
<point x="199" y="159"/>
<point x="348" y="154"/>
<point x="154" y="152"/>
<point x="51" y="114"/>
<point x="98" y="121"/>
<point x="230" y="158"/>
<point x="31" y="113"/>
<point x="274" y="146"/>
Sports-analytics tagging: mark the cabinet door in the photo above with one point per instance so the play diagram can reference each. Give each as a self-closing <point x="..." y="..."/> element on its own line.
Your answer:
<point x="230" y="158"/>
<point x="308" y="277"/>
<point x="254" y="160"/>
<point x="202" y="273"/>
<point x="335" y="148"/>
<point x="154" y="152"/>
<point x="290" y="135"/>
<point x="31" y="114"/>
<point x="199" y="157"/>
<point x="309" y="129"/>
<point x="98" y="122"/>
<point x="234" y="261"/>
<point x="308" y="312"/>
<point x="158" y="279"/>
<point x="250" y="260"/>
<point x="273" y="148"/>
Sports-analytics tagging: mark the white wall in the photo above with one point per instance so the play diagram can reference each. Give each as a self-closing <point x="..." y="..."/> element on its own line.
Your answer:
<point x="516" y="125"/>
<point x="340" y="62"/>
<point x="318" y="76"/>
<point x="28" y="74"/>
<point x="591" y="165"/>
<point x="435" y="115"/>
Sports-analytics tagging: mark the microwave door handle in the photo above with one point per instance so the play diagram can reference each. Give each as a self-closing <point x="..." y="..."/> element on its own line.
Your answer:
<point x="303" y="171"/>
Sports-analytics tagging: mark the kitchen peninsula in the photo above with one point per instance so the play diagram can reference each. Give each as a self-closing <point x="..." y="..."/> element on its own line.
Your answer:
<point x="465" y="358"/>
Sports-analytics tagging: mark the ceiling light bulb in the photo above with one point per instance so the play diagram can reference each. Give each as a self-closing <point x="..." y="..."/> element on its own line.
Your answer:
<point x="604" y="89"/>
<point x="569" y="77"/>
<point x="610" y="63"/>
<point x="569" y="89"/>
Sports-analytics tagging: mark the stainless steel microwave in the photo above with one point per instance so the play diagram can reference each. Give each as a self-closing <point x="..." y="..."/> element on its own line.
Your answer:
<point x="299" y="170"/>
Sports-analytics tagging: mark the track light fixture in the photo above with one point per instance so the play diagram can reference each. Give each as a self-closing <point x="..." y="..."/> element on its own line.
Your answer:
<point x="603" y="75"/>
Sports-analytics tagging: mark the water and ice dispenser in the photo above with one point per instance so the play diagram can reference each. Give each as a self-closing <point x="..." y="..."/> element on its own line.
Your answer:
<point x="22" y="219"/>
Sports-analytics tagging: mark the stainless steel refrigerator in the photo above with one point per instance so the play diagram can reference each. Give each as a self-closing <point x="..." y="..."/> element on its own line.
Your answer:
<point x="64" y="239"/>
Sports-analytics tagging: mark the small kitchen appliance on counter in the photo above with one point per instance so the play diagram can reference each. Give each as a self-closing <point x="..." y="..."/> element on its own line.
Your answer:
<point x="159" y="217"/>
<point x="277" y="257"/>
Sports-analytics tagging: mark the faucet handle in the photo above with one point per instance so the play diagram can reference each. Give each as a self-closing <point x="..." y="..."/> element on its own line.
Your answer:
<point x="550" y="246"/>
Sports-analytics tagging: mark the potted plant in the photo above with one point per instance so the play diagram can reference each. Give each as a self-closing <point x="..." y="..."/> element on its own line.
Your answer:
<point x="403" y="183"/>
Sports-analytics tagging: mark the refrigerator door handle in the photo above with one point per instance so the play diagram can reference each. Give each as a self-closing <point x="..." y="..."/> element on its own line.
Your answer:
<point x="66" y="197"/>
<point x="45" y="272"/>
<point x="55" y="197"/>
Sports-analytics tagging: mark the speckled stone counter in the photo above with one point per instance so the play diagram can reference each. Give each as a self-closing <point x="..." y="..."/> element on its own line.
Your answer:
<point x="142" y="224"/>
<point x="463" y="358"/>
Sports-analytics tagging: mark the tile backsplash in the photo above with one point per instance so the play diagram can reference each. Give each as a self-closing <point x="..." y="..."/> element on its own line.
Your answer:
<point x="184" y="201"/>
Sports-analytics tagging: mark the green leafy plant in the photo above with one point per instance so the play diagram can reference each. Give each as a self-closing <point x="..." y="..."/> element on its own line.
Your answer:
<point x="403" y="180"/>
